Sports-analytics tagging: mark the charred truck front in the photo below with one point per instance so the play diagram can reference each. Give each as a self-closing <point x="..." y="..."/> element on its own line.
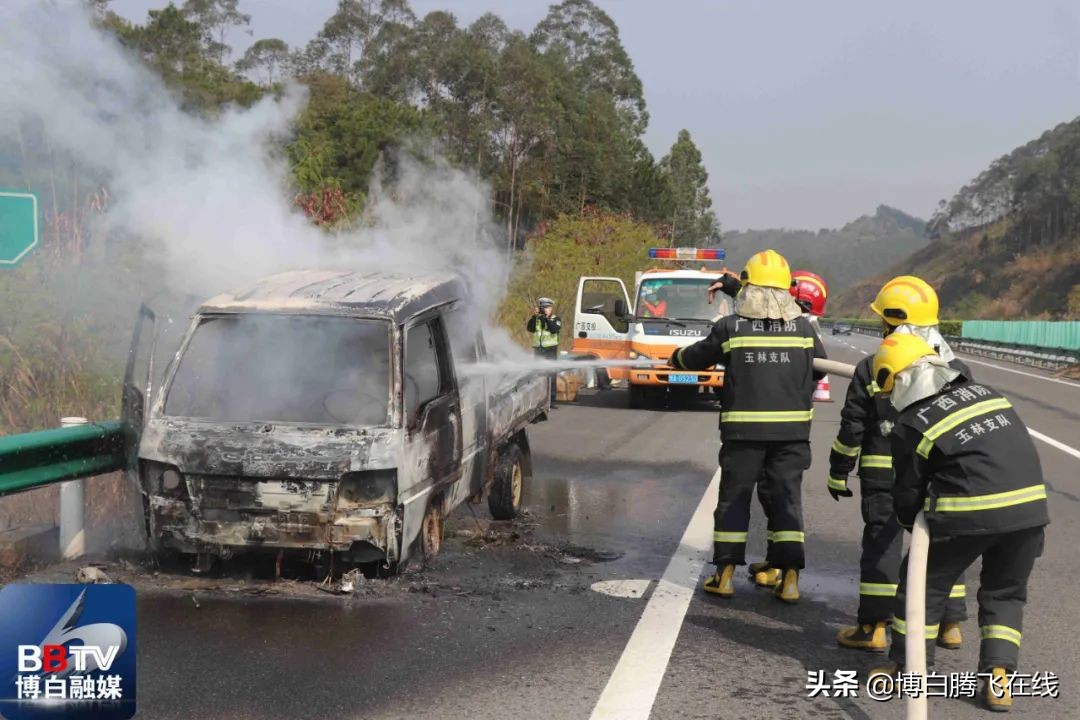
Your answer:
<point x="326" y="412"/>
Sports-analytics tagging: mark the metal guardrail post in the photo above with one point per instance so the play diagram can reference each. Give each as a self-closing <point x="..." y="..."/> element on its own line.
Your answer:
<point x="72" y="508"/>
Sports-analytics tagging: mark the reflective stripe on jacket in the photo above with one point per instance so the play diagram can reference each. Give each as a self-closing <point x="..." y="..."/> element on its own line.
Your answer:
<point x="966" y="459"/>
<point x="769" y="377"/>
<point x="545" y="331"/>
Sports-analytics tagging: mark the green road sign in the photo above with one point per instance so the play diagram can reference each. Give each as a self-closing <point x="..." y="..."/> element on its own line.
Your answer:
<point x="18" y="226"/>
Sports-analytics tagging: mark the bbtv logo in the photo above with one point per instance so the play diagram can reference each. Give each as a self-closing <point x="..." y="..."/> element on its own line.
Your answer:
<point x="68" y="647"/>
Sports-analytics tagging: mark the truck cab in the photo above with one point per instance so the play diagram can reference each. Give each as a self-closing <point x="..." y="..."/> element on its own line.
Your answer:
<point x="327" y="414"/>
<point x="671" y="309"/>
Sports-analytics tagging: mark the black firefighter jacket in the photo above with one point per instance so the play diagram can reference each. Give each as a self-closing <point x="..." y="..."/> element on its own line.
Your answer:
<point x="966" y="459"/>
<point x="769" y="378"/>
<point x="860" y="436"/>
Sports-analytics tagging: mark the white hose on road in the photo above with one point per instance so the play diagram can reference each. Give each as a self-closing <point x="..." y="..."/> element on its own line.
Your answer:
<point x="915" y="615"/>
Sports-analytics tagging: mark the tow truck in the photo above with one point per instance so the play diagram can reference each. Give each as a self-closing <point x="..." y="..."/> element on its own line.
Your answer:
<point x="671" y="310"/>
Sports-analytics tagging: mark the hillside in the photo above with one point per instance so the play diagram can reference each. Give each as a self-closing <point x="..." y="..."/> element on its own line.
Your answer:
<point x="1007" y="245"/>
<point x="841" y="256"/>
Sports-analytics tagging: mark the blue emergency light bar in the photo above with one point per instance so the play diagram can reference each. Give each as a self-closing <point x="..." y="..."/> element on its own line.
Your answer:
<point x="686" y="253"/>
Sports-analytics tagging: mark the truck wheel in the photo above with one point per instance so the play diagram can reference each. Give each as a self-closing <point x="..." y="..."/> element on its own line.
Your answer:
<point x="431" y="532"/>
<point x="504" y="500"/>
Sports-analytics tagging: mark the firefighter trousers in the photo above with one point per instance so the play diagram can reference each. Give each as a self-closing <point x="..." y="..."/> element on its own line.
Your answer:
<point x="779" y="465"/>
<point x="879" y="566"/>
<point x="1007" y="560"/>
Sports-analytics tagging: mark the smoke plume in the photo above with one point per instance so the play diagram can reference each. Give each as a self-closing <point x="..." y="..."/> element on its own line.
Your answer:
<point x="208" y="200"/>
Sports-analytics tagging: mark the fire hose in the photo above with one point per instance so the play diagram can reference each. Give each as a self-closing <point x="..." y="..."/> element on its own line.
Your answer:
<point x="915" y="601"/>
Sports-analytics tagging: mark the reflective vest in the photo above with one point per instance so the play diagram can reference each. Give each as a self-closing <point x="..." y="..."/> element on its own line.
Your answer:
<point x="544" y="338"/>
<point x="657" y="310"/>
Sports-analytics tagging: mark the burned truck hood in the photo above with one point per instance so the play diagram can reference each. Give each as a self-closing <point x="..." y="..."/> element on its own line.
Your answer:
<point x="268" y="450"/>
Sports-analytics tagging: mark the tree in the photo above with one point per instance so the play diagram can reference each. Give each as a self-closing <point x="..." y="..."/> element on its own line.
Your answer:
<point x="267" y="57"/>
<point x="214" y="18"/>
<point x="589" y="40"/>
<point x="693" y="221"/>
<point x="357" y="33"/>
<point x="527" y="112"/>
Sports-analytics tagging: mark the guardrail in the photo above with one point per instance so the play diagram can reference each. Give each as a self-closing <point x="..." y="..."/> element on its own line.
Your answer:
<point x="1046" y="358"/>
<point x="31" y="460"/>
<point x="65" y="455"/>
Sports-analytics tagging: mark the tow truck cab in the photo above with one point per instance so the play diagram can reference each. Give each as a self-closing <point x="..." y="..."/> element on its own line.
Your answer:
<point x="671" y="309"/>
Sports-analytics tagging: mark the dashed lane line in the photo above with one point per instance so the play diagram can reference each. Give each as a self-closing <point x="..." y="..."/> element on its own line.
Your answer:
<point x="632" y="688"/>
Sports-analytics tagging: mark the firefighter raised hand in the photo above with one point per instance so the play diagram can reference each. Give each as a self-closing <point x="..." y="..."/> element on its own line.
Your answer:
<point x="728" y="283"/>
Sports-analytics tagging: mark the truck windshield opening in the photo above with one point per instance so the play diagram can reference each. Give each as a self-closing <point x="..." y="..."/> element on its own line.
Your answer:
<point x="284" y="368"/>
<point x="679" y="299"/>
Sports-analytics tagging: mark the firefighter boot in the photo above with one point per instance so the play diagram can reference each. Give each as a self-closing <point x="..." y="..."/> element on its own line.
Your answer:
<point x="893" y="670"/>
<point x="767" y="578"/>
<point x="755" y="568"/>
<point x="722" y="583"/>
<point x="950" y="637"/>
<point x="868" y="636"/>
<point x="787" y="589"/>
<point x="996" y="691"/>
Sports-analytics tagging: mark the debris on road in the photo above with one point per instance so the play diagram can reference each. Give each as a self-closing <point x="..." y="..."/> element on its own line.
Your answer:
<point x="347" y="584"/>
<point x="92" y="575"/>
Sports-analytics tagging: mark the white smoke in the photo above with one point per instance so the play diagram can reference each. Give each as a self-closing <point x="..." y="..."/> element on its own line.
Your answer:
<point x="209" y="199"/>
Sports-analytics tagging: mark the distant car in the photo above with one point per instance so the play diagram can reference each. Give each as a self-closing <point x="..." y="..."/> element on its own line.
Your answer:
<point x="841" y="328"/>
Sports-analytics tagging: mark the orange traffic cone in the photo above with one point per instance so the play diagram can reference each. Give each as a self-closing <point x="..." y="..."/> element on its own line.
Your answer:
<point x="821" y="392"/>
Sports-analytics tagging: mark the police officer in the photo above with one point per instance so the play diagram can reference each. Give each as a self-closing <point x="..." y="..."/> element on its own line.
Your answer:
<point x="963" y="456"/>
<point x="767" y="349"/>
<point x="544" y="325"/>
<point x="906" y="305"/>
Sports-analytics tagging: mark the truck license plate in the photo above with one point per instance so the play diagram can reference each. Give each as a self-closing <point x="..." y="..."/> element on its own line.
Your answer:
<point x="682" y="378"/>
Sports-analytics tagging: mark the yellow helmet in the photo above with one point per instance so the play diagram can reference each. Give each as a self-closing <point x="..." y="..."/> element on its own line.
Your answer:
<point x="768" y="268"/>
<point x="896" y="354"/>
<point x="907" y="300"/>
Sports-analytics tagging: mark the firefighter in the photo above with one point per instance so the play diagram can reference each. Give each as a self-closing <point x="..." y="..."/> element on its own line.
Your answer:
<point x="767" y="348"/>
<point x="544" y="326"/>
<point x="810" y="293"/>
<point x="963" y="456"/>
<point x="906" y="305"/>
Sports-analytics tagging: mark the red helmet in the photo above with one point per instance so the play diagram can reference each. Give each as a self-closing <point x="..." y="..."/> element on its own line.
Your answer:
<point x="810" y="291"/>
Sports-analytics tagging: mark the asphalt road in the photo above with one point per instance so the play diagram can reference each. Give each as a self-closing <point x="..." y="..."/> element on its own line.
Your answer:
<point x="512" y="628"/>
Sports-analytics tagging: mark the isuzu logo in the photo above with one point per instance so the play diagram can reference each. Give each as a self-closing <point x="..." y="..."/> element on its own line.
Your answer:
<point x="686" y="332"/>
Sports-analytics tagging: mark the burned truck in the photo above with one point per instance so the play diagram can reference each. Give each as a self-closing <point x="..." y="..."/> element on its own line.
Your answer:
<point x="329" y="414"/>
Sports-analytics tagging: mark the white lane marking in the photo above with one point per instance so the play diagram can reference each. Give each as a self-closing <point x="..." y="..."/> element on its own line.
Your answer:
<point x="622" y="588"/>
<point x="1021" y="372"/>
<point x="1055" y="443"/>
<point x="631" y="690"/>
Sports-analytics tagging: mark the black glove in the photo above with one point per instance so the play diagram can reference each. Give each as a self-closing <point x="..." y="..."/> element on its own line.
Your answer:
<point x="836" y="492"/>
<point x="727" y="284"/>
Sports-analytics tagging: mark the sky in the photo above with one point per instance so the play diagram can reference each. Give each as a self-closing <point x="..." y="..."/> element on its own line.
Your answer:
<point x="810" y="114"/>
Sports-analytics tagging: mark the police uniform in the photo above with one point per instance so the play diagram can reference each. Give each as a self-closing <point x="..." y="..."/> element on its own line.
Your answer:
<point x="966" y="459"/>
<point x="861" y="439"/>
<point x="766" y="408"/>
<point x="545" y="339"/>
